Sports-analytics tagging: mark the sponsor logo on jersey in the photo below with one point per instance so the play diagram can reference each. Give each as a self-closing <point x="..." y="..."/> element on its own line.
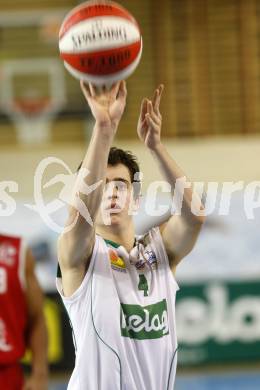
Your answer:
<point x="4" y="346"/>
<point x="144" y="322"/>
<point x="7" y="254"/>
<point x="151" y="258"/>
<point x="117" y="263"/>
<point x="143" y="258"/>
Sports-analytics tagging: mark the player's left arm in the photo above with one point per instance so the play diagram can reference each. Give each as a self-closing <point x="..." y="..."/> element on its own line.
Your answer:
<point x="37" y="340"/>
<point x="180" y="232"/>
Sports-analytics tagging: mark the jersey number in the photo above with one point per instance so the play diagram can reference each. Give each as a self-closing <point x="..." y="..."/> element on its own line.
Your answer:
<point x="3" y="280"/>
<point x="143" y="284"/>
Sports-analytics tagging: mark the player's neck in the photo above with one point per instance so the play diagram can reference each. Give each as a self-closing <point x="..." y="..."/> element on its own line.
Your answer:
<point x="124" y="236"/>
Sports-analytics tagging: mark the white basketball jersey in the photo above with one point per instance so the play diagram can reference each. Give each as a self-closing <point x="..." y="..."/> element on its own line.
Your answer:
<point x="123" y="318"/>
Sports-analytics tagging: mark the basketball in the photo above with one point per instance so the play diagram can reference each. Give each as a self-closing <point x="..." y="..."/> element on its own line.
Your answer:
<point x="100" y="43"/>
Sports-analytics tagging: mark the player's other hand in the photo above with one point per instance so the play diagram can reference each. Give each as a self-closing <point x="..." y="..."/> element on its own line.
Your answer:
<point x="107" y="106"/>
<point x="150" y="120"/>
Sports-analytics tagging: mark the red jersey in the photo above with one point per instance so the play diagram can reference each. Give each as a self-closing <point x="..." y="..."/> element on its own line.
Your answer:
<point x="13" y="310"/>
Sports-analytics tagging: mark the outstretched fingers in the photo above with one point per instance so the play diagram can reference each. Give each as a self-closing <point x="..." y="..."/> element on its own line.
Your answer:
<point x="93" y="90"/>
<point x="114" y="90"/>
<point x="157" y="98"/>
<point x="150" y="121"/>
<point x="122" y="91"/>
<point x="144" y="108"/>
<point x="151" y="112"/>
<point x="85" y="89"/>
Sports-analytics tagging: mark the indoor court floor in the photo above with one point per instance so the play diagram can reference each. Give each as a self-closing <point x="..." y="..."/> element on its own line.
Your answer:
<point x="218" y="381"/>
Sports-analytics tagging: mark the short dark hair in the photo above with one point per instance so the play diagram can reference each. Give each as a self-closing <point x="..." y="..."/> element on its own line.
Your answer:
<point x="119" y="156"/>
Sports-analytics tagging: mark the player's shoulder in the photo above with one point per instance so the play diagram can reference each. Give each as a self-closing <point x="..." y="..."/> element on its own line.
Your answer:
<point x="152" y="234"/>
<point x="7" y="236"/>
<point x="11" y="244"/>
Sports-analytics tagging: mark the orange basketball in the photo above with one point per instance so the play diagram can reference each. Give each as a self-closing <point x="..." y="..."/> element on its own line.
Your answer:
<point x="100" y="43"/>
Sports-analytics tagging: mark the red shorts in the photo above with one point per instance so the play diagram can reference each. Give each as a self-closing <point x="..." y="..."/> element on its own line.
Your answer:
<point x="11" y="377"/>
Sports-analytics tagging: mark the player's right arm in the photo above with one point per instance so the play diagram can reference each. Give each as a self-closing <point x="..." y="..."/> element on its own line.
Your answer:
<point x="76" y="244"/>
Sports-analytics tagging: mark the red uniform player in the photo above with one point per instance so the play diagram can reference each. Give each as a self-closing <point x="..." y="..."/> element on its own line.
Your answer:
<point x="21" y="318"/>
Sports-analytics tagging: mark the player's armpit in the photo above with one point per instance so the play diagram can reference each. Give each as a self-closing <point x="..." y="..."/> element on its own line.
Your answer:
<point x="75" y="247"/>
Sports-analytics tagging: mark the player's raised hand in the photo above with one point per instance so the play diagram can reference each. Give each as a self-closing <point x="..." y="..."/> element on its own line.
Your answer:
<point x="150" y="120"/>
<point x="107" y="106"/>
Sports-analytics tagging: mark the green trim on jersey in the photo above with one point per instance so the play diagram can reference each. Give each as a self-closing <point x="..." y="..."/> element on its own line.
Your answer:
<point x="112" y="243"/>
<point x="115" y="244"/>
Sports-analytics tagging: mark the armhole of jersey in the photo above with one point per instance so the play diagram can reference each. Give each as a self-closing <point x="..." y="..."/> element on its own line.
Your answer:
<point x="21" y="263"/>
<point x="156" y="234"/>
<point x="85" y="280"/>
